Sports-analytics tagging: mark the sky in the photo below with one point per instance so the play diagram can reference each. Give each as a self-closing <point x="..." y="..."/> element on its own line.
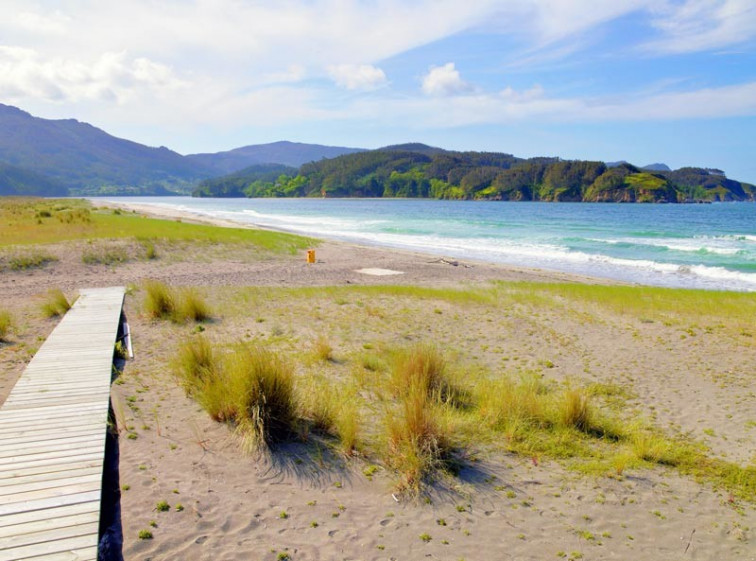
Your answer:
<point x="646" y="81"/>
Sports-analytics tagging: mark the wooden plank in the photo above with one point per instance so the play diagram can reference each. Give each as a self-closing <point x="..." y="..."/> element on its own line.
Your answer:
<point x="72" y="487"/>
<point x="49" y="502"/>
<point x="11" y="520"/>
<point x="34" y="437"/>
<point x="81" y="461"/>
<point x="36" y="526"/>
<point x="53" y="476"/>
<point x="12" y="493"/>
<point x="36" y="448"/>
<point x="63" y="449"/>
<point x="48" y="548"/>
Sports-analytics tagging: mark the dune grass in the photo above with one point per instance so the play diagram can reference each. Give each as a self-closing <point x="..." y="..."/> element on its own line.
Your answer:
<point x="248" y="387"/>
<point x="416" y="410"/>
<point x="22" y="260"/>
<point x="6" y="324"/>
<point x="177" y="305"/>
<point x="55" y="304"/>
<point x="29" y="221"/>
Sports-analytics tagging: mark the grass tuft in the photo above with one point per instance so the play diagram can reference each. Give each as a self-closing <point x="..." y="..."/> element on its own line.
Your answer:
<point x="6" y="324"/>
<point x="191" y="306"/>
<point x="249" y="387"/>
<point x="159" y="301"/>
<point x="56" y="303"/>
<point x="576" y="410"/>
<point x="163" y="302"/>
<point x="421" y="367"/>
<point x="417" y="446"/>
<point x="322" y="349"/>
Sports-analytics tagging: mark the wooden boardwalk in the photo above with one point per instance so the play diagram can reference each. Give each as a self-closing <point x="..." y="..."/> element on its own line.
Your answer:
<point x="52" y="437"/>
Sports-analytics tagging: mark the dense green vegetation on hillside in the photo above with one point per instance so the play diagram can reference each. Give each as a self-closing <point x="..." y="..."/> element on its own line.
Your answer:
<point x="20" y="181"/>
<point x="415" y="170"/>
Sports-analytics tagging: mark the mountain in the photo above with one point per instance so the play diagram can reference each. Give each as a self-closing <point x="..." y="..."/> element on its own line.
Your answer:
<point x="285" y="153"/>
<point x="23" y="182"/>
<point x="86" y="158"/>
<point x="656" y="167"/>
<point x="417" y="170"/>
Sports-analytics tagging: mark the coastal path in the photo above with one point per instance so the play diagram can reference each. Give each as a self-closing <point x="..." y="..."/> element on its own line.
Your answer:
<point x="52" y="436"/>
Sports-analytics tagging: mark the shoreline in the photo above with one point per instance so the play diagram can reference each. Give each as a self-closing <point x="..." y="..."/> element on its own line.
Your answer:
<point x="380" y="253"/>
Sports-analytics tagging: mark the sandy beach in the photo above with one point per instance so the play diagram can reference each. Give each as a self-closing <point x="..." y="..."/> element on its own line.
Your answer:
<point x="692" y="376"/>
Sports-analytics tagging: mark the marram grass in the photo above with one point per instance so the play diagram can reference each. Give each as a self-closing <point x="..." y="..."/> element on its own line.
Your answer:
<point x="55" y="304"/>
<point x="417" y="410"/>
<point x="164" y="302"/>
<point x="248" y="387"/>
<point x="6" y="324"/>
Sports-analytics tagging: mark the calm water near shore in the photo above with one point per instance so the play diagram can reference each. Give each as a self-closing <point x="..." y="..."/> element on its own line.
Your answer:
<point x="694" y="246"/>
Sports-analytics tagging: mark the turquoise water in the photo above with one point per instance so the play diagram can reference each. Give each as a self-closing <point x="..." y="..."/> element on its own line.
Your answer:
<point x="694" y="246"/>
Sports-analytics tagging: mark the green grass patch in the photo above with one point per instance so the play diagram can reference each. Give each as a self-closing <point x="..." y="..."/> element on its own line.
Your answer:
<point x="25" y="221"/>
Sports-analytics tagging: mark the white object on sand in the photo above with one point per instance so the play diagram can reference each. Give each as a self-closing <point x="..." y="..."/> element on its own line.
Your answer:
<point x="379" y="272"/>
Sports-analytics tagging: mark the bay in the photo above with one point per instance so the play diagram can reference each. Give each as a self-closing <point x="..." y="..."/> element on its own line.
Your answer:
<point x="708" y="246"/>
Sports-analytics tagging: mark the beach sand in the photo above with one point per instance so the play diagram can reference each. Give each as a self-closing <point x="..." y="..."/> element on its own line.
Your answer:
<point x="308" y="502"/>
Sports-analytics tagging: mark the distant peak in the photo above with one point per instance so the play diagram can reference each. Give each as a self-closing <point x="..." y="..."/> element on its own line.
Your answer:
<point x="11" y="110"/>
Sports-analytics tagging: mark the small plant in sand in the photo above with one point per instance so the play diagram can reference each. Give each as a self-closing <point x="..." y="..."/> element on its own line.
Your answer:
<point x="145" y="535"/>
<point x="6" y="324"/>
<point x="56" y="303"/>
<point x="322" y="349"/>
<point x="162" y="506"/>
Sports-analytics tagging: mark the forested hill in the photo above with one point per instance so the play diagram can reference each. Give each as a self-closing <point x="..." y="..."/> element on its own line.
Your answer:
<point x="416" y="170"/>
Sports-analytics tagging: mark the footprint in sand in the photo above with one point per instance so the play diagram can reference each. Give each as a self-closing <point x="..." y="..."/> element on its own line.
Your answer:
<point x="200" y="540"/>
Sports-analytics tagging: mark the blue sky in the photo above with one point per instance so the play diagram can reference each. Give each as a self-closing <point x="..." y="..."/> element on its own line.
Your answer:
<point x="669" y="81"/>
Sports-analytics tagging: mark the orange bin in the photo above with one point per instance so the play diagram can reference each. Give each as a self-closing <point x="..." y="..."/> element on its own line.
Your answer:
<point x="311" y="256"/>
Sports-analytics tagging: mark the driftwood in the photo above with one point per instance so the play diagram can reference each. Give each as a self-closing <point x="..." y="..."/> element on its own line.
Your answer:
<point x="452" y="263"/>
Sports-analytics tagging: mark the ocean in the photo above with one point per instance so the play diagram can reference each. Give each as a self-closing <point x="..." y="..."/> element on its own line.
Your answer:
<point x="707" y="246"/>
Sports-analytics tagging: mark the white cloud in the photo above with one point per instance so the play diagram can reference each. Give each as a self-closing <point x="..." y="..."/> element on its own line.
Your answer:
<point x="357" y="76"/>
<point x="444" y="81"/>
<point x="534" y="105"/>
<point x="700" y="25"/>
<point x="109" y="77"/>
<point x="292" y="74"/>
